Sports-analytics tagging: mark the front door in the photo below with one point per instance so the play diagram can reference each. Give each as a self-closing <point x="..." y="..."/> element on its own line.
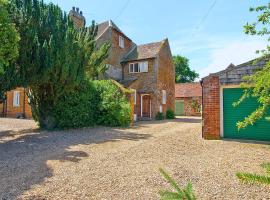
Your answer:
<point x="146" y="106"/>
<point x="179" y="107"/>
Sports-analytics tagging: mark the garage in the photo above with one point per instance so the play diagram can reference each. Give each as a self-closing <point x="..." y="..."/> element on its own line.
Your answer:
<point x="219" y="91"/>
<point x="231" y="115"/>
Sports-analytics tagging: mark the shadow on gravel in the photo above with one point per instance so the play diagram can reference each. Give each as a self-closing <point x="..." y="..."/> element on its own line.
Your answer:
<point x="23" y="159"/>
<point x="188" y="120"/>
<point x="246" y="141"/>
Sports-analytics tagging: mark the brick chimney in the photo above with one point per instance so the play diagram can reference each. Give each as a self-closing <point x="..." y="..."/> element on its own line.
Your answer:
<point x="77" y="17"/>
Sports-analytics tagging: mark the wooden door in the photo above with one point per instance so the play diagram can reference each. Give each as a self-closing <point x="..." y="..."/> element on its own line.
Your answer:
<point x="146" y="106"/>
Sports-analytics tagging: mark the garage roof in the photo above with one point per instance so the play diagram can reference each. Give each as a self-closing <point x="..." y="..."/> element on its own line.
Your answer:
<point x="188" y="90"/>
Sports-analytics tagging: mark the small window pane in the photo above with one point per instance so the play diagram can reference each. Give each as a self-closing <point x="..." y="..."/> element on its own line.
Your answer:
<point x="136" y="67"/>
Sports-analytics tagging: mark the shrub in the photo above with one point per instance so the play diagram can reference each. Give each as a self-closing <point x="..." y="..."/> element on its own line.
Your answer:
<point x="78" y="109"/>
<point x="114" y="108"/>
<point x="170" y="114"/>
<point x="159" y="116"/>
<point x="93" y="103"/>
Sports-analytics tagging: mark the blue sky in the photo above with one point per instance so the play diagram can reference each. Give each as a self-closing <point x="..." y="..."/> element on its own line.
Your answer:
<point x="208" y="32"/>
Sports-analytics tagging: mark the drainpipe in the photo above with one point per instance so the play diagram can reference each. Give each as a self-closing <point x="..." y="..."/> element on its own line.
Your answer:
<point x="201" y="82"/>
<point x="24" y="102"/>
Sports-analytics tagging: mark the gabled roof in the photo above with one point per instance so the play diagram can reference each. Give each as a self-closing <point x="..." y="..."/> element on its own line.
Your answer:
<point x="188" y="90"/>
<point x="144" y="51"/>
<point x="102" y="27"/>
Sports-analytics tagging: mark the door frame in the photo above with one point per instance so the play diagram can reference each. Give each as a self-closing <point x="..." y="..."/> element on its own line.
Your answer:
<point x="221" y="106"/>
<point x="142" y="95"/>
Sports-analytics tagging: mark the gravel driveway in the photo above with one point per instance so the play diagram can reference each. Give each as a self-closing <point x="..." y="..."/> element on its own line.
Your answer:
<point x="115" y="163"/>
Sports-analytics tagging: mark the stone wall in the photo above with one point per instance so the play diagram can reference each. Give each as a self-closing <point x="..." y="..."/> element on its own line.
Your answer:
<point x="211" y="107"/>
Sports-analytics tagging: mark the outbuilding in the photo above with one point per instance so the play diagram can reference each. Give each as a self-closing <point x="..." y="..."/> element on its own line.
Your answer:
<point x="220" y="90"/>
<point x="188" y="99"/>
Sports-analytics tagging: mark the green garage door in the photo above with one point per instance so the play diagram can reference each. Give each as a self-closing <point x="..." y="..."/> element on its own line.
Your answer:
<point x="231" y="115"/>
<point x="179" y="107"/>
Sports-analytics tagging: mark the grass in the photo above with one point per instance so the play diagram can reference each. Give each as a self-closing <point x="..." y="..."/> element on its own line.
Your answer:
<point x="255" y="178"/>
<point x="185" y="193"/>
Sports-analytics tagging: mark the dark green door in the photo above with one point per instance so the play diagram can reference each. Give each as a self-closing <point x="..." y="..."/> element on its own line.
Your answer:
<point x="231" y="115"/>
<point x="179" y="107"/>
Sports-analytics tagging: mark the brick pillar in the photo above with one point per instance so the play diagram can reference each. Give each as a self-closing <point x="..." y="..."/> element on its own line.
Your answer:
<point x="211" y="107"/>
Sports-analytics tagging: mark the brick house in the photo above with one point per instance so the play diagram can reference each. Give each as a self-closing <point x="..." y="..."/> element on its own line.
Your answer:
<point x="188" y="99"/>
<point x="16" y="104"/>
<point x="147" y="69"/>
<point x="220" y="91"/>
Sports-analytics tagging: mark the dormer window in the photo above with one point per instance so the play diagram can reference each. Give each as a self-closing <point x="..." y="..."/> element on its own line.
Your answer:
<point x="121" y="41"/>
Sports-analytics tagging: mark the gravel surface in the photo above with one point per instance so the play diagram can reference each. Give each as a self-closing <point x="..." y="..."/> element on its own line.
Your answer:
<point x="115" y="163"/>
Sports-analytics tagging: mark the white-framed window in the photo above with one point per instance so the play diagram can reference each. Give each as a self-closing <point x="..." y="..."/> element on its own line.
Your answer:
<point x="164" y="97"/>
<point x="138" y="67"/>
<point x="16" y="99"/>
<point x="121" y="41"/>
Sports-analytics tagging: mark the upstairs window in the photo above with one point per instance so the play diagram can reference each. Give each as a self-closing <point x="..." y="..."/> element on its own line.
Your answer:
<point x="164" y="97"/>
<point x="16" y="99"/>
<point x="138" y="67"/>
<point x="121" y="42"/>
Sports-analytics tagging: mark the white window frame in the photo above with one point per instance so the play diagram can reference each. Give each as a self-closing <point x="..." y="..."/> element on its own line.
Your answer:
<point x="121" y="41"/>
<point x="16" y="99"/>
<point x="142" y="67"/>
<point x="164" y="97"/>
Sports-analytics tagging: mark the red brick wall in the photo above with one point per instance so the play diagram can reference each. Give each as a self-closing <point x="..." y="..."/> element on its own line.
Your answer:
<point x="188" y="108"/>
<point x="166" y="77"/>
<point x="23" y="108"/>
<point x="211" y="107"/>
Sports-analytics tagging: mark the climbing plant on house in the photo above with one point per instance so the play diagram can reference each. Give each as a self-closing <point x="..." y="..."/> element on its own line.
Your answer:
<point x="54" y="57"/>
<point x="258" y="84"/>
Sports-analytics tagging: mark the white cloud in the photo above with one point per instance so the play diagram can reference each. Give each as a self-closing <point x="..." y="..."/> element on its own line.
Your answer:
<point x="236" y="52"/>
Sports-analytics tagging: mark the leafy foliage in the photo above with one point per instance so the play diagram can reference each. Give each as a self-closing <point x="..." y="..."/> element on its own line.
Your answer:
<point x="255" y="178"/>
<point x="114" y="108"/>
<point x="159" y="116"/>
<point x="54" y="57"/>
<point x="179" y="194"/>
<point x="258" y="84"/>
<point x="183" y="73"/>
<point x="170" y="114"/>
<point x="9" y="39"/>
<point x="93" y="103"/>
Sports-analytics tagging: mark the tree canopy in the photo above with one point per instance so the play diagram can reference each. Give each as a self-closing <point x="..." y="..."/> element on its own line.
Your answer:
<point x="258" y="84"/>
<point x="183" y="73"/>
<point x="9" y="38"/>
<point x="54" y="57"/>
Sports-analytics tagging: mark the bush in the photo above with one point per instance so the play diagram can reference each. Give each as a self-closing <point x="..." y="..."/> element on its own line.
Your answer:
<point x="114" y="108"/>
<point x="94" y="103"/>
<point x="170" y="114"/>
<point x="78" y="109"/>
<point x="159" y="116"/>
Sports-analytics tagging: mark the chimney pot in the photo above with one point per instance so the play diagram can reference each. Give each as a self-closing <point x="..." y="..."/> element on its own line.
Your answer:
<point x="77" y="10"/>
<point x="73" y="8"/>
<point x="81" y="13"/>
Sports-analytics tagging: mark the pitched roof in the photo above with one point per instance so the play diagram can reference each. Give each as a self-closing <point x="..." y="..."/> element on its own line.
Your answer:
<point x="102" y="27"/>
<point x="188" y="90"/>
<point x="144" y="51"/>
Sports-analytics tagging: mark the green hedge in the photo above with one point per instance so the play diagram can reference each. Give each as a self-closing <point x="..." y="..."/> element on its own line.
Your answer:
<point x="94" y="103"/>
